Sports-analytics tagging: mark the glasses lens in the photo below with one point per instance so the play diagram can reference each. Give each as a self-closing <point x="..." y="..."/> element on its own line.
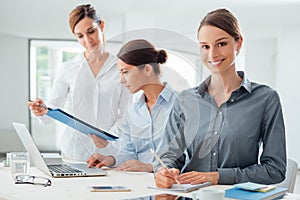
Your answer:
<point x="23" y="178"/>
<point x="42" y="181"/>
<point x="36" y="180"/>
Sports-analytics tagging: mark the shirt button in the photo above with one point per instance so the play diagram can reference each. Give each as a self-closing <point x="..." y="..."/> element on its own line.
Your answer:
<point x="214" y="154"/>
<point x="232" y="100"/>
<point x="215" y="132"/>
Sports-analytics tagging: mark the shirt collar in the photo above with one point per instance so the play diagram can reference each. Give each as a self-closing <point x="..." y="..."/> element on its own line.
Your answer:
<point x="110" y="62"/>
<point x="165" y="94"/>
<point x="245" y="83"/>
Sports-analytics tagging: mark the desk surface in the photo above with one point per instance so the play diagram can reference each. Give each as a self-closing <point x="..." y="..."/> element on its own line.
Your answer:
<point x="77" y="188"/>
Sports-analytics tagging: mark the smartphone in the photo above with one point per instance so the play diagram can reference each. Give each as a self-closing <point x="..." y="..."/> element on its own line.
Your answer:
<point x="109" y="189"/>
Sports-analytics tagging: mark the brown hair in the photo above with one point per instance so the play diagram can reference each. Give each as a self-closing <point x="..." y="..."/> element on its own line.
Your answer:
<point x="80" y="12"/>
<point x="141" y="52"/>
<point x="223" y="19"/>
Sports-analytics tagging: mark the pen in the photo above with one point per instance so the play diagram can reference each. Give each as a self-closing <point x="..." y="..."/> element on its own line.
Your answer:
<point x="164" y="166"/>
<point x="42" y="105"/>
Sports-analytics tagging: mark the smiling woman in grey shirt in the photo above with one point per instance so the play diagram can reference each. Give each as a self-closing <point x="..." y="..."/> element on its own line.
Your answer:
<point x="215" y="130"/>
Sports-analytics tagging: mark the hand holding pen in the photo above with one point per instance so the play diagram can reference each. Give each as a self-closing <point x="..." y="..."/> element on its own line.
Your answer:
<point x="37" y="107"/>
<point x="165" y="177"/>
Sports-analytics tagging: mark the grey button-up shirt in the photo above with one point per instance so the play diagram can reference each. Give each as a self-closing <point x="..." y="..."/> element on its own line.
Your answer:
<point x="204" y="137"/>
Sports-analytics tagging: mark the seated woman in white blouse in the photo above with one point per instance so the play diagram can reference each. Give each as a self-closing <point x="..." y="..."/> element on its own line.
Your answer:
<point x="143" y="125"/>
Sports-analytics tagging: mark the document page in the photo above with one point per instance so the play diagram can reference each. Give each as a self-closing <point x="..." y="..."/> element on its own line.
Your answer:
<point x="184" y="188"/>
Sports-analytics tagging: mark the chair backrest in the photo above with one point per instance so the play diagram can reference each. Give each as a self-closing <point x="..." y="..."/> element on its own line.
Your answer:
<point x="290" y="176"/>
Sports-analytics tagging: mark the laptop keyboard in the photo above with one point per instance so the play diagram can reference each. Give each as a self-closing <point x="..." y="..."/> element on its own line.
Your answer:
<point x="61" y="168"/>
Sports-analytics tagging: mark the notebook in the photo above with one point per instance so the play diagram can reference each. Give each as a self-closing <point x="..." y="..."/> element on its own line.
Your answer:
<point x="238" y="193"/>
<point x="184" y="188"/>
<point x="78" y="124"/>
<point x="53" y="167"/>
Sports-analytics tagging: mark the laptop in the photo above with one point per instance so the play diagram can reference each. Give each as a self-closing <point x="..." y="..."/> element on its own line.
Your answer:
<point x="53" y="167"/>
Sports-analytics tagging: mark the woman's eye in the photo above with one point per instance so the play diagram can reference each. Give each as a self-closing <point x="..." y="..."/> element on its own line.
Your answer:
<point x="204" y="46"/>
<point x="91" y="32"/>
<point x="221" y="44"/>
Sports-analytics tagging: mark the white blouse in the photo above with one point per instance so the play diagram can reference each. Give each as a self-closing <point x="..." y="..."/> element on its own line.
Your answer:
<point x="99" y="101"/>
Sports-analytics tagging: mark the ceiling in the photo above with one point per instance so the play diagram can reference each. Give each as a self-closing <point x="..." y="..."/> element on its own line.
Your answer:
<point x="48" y="18"/>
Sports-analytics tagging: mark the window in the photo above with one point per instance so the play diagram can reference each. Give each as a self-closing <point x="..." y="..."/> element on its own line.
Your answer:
<point x="45" y="58"/>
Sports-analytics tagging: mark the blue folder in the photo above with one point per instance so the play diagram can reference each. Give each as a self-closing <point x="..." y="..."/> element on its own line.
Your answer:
<point x="78" y="124"/>
<point x="238" y="193"/>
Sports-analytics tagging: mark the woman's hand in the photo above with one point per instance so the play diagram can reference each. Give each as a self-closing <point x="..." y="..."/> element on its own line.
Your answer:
<point x="135" y="166"/>
<point x="199" y="177"/>
<point x="166" y="178"/>
<point x="35" y="107"/>
<point x="98" y="160"/>
<point x="99" y="142"/>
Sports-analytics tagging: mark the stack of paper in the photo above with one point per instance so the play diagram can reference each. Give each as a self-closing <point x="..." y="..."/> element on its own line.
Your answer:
<point x="183" y="187"/>
<point x="255" y="187"/>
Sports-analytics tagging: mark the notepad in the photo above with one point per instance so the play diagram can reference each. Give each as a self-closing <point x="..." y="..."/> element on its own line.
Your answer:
<point x="78" y="124"/>
<point x="254" y="187"/>
<point x="184" y="188"/>
<point x="254" y="195"/>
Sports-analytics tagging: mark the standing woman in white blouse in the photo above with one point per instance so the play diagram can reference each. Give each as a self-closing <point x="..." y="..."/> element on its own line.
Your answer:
<point x="90" y="81"/>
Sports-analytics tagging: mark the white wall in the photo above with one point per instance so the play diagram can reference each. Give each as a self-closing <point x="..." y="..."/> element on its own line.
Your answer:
<point x="260" y="60"/>
<point x="14" y="89"/>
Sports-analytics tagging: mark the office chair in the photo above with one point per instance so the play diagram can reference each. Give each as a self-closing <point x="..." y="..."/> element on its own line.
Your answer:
<point x="290" y="176"/>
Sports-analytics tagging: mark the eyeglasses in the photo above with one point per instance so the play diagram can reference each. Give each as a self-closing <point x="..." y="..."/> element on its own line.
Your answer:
<point x="34" y="180"/>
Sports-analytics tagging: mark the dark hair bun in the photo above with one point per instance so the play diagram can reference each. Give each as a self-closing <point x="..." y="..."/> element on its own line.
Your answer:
<point x="162" y="56"/>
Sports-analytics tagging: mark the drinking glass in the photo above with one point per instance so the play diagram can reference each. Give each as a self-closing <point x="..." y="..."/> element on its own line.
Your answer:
<point x="19" y="163"/>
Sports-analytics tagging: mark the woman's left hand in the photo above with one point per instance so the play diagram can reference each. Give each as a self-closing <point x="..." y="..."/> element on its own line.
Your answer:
<point x="199" y="177"/>
<point x="135" y="166"/>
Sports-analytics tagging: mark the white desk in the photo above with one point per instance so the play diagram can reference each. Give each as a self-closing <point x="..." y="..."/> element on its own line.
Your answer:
<point x="77" y="188"/>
